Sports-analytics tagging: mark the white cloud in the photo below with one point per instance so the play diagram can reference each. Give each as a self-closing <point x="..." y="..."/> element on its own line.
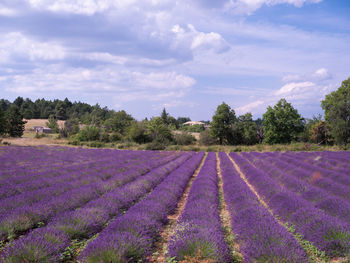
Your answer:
<point x="322" y="74"/>
<point x="294" y="87"/>
<point x="249" y="6"/>
<point x="250" y="107"/>
<point x="16" y="44"/>
<point x="108" y="80"/>
<point x="4" y="11"/>
<point x="192" y="39"/>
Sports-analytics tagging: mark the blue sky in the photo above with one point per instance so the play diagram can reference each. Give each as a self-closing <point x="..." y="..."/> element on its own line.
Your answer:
<point x="186" y="56"/>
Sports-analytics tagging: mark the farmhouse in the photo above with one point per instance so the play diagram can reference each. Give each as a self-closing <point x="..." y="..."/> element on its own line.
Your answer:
<point x="41" y="129"/>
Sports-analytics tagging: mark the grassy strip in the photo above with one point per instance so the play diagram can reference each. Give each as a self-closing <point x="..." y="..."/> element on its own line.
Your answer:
<point x="162" y="245"/>
<point x="229" y="236"/>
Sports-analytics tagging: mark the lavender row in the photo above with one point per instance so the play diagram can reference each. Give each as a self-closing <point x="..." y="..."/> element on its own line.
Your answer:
<point x="320" y="198"/>
<point x="261" y="238"/>
<point x="328" y="160"/>
<point x="130" y="237"/>
<point x="86" y="221"/>
<point x="66" y="182"/>
<point x="199" y="227"/>
<point x="27" y="217"/>
<point x="35" y="180"/>
<point x="325" y="174"/>
<point x="327" y="233"/>
<point x="314" y="176"/>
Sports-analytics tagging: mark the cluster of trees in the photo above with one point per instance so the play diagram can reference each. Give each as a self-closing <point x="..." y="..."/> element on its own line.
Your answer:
<point x="11" y="122"/>
<point x="280" y="124"/>
<point x="283" y="124"/>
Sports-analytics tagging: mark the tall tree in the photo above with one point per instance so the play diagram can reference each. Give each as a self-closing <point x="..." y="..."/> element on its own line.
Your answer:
<point x="3" y="122"/>
<point x="222" y="124"/>
<point x="248" y="129"/>
<point x="282" y="123"/>
<point x="164" y="116"/>
<point x="52" y="123"/>
<point x="15" y="122"/>
<point x="337" y="112"/>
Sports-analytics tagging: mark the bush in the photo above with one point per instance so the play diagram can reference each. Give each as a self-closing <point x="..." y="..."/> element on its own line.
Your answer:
<point x="104" y="137"/>
<point x="39" y="135"/>
<point x="137" y="133"/>
<point x="89" y="133"/>
<point x="184" y="138"/>
<point x="96" y="144"/>
<point x="206" y="139"/>
<point x="155" y="145"/>
<point x="115" y="137"/>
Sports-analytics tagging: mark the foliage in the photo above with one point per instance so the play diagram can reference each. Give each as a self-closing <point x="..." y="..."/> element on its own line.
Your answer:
<point x="138" y="133"/>
<point x="282" y="123"/>
<point x="184" y="138"/>
<point x="72" y="126"/>
<point x="89" y="133"/>
<point x="158" y="131"/>
<point x="222" y="124"/>
<point x="205" y="138"/>
<point x="3" y="123"/>
<point x="336" y="106"/>
<point x="119" y="122"/>
<point x="15" y="122"/>
<point x="52" y="123"/>
<point x="115" y="137"/>
<point x="319" y="133"/>
<point x="193" y="128"/>
<point x="246" y="130"/>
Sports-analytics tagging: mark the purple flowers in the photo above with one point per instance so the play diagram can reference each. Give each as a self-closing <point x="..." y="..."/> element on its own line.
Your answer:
<point x="199" y="227"/>
<point x="129" y="238"/>
<point x="326" y="232"/>
<point x="262" y="239"/>
<point x="50" y="196"/>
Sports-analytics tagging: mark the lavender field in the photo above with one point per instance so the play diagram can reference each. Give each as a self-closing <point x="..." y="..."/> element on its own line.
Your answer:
<point x="61" y="204"/>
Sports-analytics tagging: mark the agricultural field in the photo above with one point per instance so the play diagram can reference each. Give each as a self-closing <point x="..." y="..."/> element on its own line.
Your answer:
<point x="60" y="204"/>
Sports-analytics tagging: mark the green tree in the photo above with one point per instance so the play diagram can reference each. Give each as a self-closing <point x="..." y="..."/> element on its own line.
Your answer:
<point x="52" y="123"/>
<point x="222" y="124"/>
<point x="61" y="111"/>
<point x="15" y="122"/>
<point x="282" y="123"/>
<point x="89" y="133"/>
<point x="119" y="122"/>
<point x="248" y="129"/>
<point x="164" y="115"/>
<point x="158" y="131"/>
<point x="337" y="112"/>
<point x="3" y="123"/>
<point x="138" y="133"/>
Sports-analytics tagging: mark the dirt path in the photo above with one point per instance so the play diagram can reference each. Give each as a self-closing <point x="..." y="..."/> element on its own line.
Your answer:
<point x="226" y="219"/>
<point x="159" y="256"/>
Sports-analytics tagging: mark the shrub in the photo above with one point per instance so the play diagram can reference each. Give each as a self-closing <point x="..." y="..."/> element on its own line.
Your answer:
<point x="89" y="133"/>
<point x="115" y="137"/>
<point x="155" y="145"/>
<point x="184" y="138"/>
<point x="206" y="139"/>
<point x="104" y="137"/>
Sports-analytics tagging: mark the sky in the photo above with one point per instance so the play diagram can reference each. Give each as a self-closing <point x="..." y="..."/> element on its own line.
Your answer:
<point x="188" y="56"/>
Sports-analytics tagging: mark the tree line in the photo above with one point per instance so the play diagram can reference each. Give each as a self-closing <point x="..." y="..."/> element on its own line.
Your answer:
<point x="280" y="124"/>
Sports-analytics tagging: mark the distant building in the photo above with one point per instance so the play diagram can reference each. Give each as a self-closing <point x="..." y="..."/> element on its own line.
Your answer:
<point x="191" y="123"/>
<point x="41" y="129"/>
